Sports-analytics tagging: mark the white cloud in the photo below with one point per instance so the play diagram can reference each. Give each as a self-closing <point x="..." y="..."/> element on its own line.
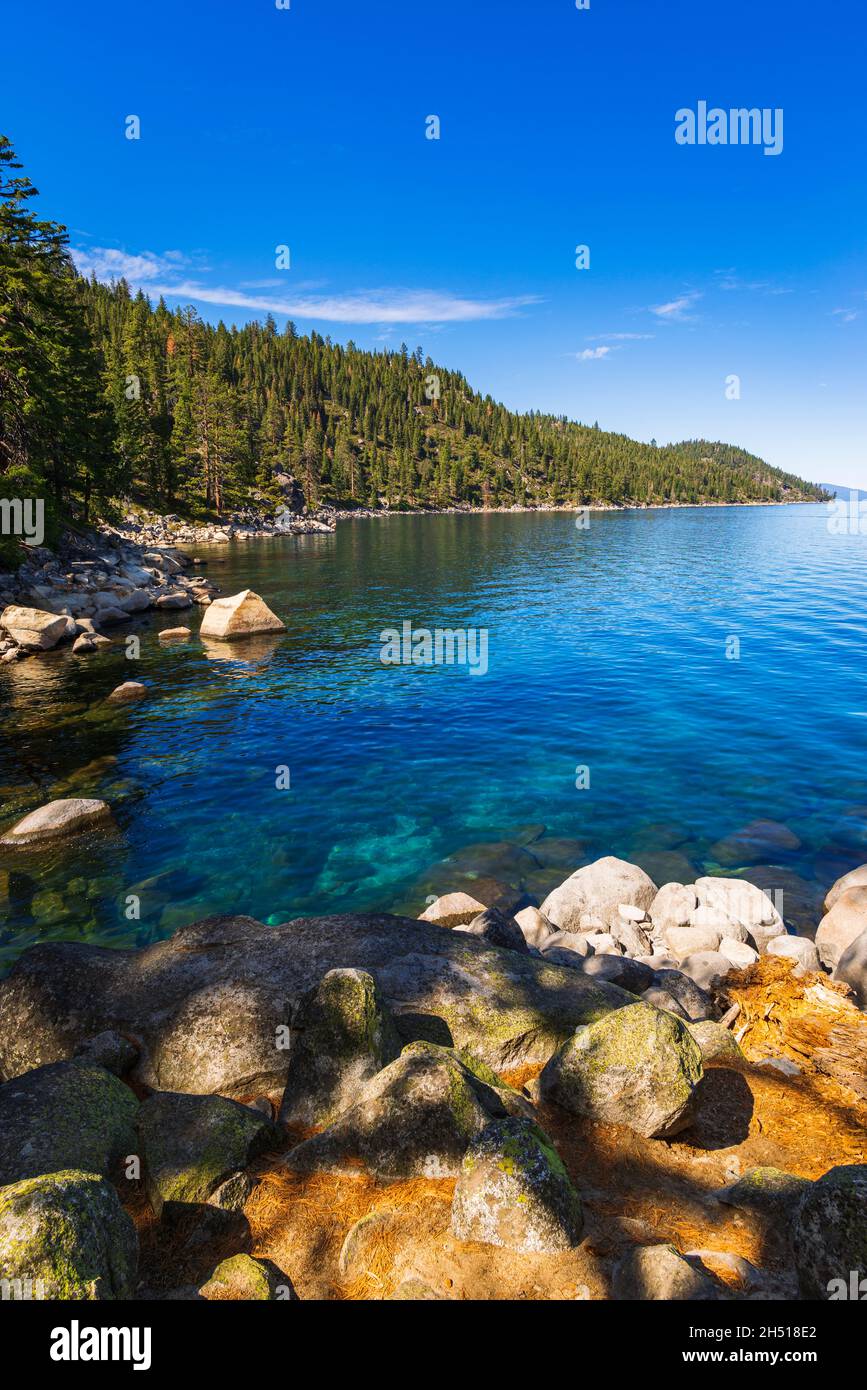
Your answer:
<point x="676" y="308"/>
<point x="359" y="306"/>
<point x="593" y="354"/>
<point x="846" y="315"/>
<point x="618" y="337"/>
<point x="159" y="275"/>
<point x="108" y="264"/>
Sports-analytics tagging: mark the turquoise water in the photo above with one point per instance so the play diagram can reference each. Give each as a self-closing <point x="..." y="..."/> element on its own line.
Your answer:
<point x="607" y="649"/>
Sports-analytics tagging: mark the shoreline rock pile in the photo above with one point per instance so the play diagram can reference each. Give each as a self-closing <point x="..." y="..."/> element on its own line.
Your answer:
<point x="383" y="1046"/>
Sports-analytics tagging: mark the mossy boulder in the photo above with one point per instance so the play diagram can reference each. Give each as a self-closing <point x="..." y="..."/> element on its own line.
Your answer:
<point x="243" y="1277"/>
<point x="415" y="1118"/>
<point x="191" y="1146"/>
<point x="829" y="1230"/>
<point x="67" y="1115"/>
<point x="770" y="1191"/>
<point x="637" y="1067"/>
<point x="515" y="1192"/>
<point x="345" y="1036"/>
<point x="67" y="1233"/>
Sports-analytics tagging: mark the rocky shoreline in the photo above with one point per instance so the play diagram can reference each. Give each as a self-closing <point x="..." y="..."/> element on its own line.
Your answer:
<point x="477" y="1091"/>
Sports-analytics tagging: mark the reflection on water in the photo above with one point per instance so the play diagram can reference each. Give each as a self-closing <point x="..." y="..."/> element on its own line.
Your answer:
<point x="606" y="650"/>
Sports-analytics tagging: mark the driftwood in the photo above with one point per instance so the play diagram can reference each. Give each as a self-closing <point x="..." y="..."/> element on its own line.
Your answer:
<point x="812" y="1021"/>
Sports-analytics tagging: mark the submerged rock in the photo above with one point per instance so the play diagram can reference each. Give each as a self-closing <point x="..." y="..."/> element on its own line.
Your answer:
<point x="346" y="1034"/>
<point x="214" y="1005"/>
<point x="127" y="693"/>
<point x="514" y="1191"/>
<point x="58" y="820"/>
<point x="67" y="1233"/>
<point x="67" y="1115"/>
<point x="637" y="1067"/>
<point x="599" y="889"/>
<point x="239" y="615"/>
<point x="415" y="1118"/>
<point x="190" y="1145"/>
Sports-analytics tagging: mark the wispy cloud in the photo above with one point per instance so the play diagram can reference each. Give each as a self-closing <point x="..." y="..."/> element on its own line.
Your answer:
<point x="845" y="315"/>
<point x="676" y="308"/>
<point x="618" y="337"/>
<point x="593" y="354"/>
<point x="159" y="275"/>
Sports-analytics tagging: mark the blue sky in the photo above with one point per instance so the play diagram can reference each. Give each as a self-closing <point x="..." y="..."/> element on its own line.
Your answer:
<point x="305" y="127"/>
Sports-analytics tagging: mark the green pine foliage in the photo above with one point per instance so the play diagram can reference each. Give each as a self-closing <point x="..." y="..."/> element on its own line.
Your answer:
<point x="104" y="395"/>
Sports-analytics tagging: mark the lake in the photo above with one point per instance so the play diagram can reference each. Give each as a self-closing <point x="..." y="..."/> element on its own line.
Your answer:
<point x="702" y="669"/>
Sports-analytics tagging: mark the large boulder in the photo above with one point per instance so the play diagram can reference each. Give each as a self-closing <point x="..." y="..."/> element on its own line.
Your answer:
<point x="127" y="694"/>
<point x="66" y="1236"/>
<point x="66" y="1115"/>
<point x="215" y="1006"/>
<point x="839" y="927"/>
<point x="856" y="878"/>
<point x="637" y="1067"/>
<point x="514" y="1191"/>
<point x="649" y="1272"/>
<point x="742" y="902"/>
<point x="346" y="1034"/>
<point x="598" y="890"/>
<point x="239" y="615"/>
<point x="829" y="1231"/>
<point x="415" y="1118"/>
<point x="851" y="969"/>
<point x="796" y="948"/>
<point x="58" y="820"/>
<point x="32" y="628"/>
<point x="191" y="1145"/>
<point x="673" y="906"/>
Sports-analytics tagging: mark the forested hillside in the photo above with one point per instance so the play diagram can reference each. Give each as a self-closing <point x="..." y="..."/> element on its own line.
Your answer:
<point x="105" y="397"/>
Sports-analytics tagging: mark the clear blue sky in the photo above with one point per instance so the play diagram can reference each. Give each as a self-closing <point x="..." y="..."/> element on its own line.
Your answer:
<point x="306" y="127"/>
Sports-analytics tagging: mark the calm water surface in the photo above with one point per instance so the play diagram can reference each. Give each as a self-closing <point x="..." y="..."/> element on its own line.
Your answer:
<point x="607" y="649"/>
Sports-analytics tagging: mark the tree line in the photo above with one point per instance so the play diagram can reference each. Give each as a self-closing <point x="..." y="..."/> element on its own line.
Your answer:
<point x="108" y="398"/>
